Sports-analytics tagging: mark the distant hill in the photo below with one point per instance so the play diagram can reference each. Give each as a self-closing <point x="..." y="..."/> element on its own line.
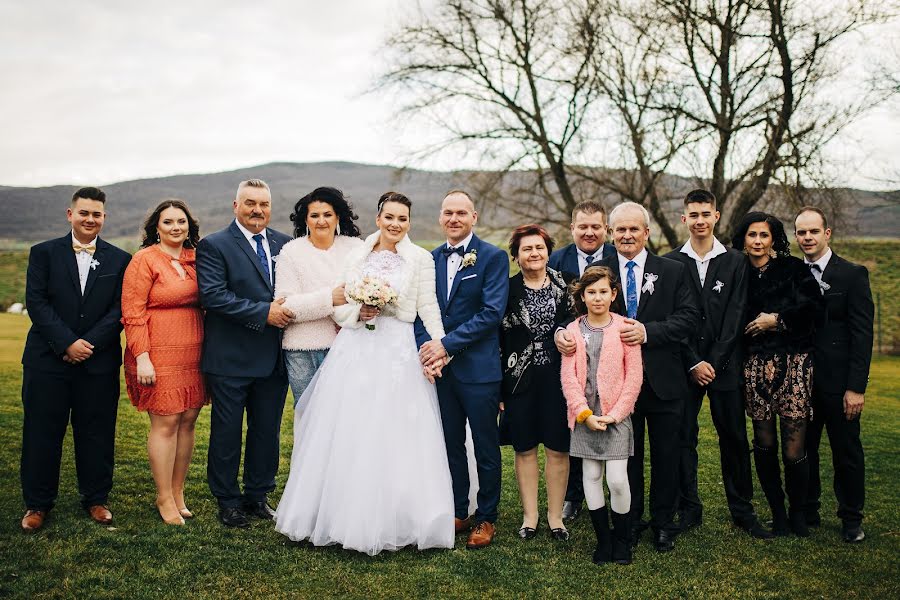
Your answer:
<point x="38" y="213"/>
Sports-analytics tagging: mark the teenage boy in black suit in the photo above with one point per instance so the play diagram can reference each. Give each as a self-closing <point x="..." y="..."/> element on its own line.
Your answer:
<point x="70" y="366"/>
<point x="843" y="352"/>
<point x="718" y="281"/>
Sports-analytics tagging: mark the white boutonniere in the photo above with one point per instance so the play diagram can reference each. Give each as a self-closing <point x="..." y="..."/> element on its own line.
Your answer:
<point x="718" y="287"/>
<point x="469" y="259"/>
<point x="649" y="278"/>
<point x="94" y="264"/>
<point x="824" y="286"/>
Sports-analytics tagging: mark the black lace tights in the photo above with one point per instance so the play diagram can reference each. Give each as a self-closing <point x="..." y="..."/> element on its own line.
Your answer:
<point x="793" y="437"/>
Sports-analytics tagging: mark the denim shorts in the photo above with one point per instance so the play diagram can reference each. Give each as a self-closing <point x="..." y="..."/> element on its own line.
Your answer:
<point x="301" y="366"/>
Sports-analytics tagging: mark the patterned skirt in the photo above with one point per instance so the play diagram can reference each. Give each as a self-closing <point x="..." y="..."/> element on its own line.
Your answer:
<point x="778" y="384"/>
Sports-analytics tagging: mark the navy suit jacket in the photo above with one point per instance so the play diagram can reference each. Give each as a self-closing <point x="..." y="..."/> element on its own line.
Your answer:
<point x="472" y="314"/>
<point x="565" y="259"/>
<point x="236" y="294"/>
<point x="60" y="314"/>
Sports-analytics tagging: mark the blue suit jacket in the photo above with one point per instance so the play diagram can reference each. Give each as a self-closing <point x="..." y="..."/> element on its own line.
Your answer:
<point x="565" y="259"/>
<point x="473" y="312"/>
<point x="236" y="294"/>
<point x="61" y="314"/>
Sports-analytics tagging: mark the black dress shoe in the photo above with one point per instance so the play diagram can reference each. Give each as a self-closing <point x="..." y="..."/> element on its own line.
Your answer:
<point x="636" y="530"/>
<point x="853" y="534"/>
<point x="664" y="542"/>
<point x="260" y="510"/>
<point x="233" y="517"/>
<point x="756" y="530"/>
<point x="688" y="521"/>
<point x="527" y="533"/>
<point x="560" y="534"/>
<point x="571" y="510"/>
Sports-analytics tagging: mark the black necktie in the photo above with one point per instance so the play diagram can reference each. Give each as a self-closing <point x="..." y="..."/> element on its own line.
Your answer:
<point x="815" y="267"/>
<point x="449" y="250"/>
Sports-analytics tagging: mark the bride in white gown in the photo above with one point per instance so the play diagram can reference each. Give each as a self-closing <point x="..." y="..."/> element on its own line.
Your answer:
<point x="369" y="468"/>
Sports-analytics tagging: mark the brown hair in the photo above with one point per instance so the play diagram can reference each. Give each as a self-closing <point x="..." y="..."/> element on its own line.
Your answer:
<point x="394" y="197"/>
<point x="591" y="276"/>
<point x="589" y="207"/>
<point x="515" y="240"/>
<point x="813" y="209"/>
<point x="149" y="232"/>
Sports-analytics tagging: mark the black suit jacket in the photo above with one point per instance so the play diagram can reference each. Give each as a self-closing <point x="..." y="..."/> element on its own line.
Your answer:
<point x="236" y="294"/>
<point x="722" y="301"/>
<point x="843" y="346"/>
<point x="669" y="315"/>
<point x="61" y="314"/>
<point x="565" y="259"/>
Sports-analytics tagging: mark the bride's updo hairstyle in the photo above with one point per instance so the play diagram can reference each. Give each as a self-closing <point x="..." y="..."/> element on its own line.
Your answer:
<point x="394" y="197"/>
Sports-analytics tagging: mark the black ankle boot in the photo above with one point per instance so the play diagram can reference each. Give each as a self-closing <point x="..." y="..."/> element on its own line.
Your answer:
<point x="621" y="538"/>
<point x="600" y="521"/>
<point x="796" y="482"/>
<point x="768" y="470"/>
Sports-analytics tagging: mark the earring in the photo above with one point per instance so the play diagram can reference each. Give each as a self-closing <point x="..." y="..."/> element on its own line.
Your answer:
<point x="745" y="251"/>
<point x="337" y="230"/>
<point x="158" y="239"/>
<point x="772" y="253"/>
<point x="307" y="231"/>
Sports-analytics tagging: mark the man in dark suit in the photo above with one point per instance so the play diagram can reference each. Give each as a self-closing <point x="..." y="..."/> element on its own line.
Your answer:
<point x="843" y="352"/>
<point x="71" y="361"/>
<point x="588" y="246"/>
<point x="472" y="288"/>
<point x="718" y="281"/>
<point x="242" y="356"/>
<point x="660" y="315"/>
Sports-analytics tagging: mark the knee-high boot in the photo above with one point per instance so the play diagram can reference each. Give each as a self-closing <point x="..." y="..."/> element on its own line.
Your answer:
<point x="600" y="521"/>
<point x="621" y="543"/>
<point x="796" y="482"/>
<point x="769" y="472"/>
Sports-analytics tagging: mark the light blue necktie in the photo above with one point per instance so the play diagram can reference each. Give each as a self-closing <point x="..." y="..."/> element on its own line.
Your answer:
<point x="261" y="254"/>
<point x="631" y="301"/>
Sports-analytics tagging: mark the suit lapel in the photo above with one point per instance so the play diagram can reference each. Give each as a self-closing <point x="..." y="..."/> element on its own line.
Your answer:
<point x="472" y="246"/>
<point x="831" y="268"/>
<point x="68" y="257"/>
<point x="99" y="255"/>
<point x="440" y="267"/>
<point x="651" y="265"/>
<point x="712" y="270"/>
<point x="691" y="265"/>
<point x="244" y="245"/>
<point x="274" y="250"/>
<point x="571" y="262"/>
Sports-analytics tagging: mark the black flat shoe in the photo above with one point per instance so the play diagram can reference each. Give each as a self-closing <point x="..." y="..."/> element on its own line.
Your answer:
<point x="233" y="517"/>
<point x="527" y="533"/>
<point x="260" y="510"/>
<point x="560" y="534"/>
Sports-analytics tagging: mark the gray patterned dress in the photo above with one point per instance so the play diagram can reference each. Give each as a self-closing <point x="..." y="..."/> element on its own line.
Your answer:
<point x="617" y="442"/>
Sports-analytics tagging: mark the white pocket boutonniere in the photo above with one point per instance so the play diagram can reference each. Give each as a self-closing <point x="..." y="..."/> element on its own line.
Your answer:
<point x="649" y="279"/>
<point x="718" y="287"/>
<point x="94" y="264"/>
<point x="824" y="286"/>
<point x="469" y="259"/>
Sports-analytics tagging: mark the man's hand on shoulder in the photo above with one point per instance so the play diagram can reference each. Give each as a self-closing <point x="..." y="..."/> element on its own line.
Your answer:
<point x="279" y="316"/>
<point x="564" y="342"/>
<point x="633" y="333"/>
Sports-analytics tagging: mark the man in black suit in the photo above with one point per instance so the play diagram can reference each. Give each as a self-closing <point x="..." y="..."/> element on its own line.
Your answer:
<point x="661" y="314"/>
<point x="843" y="352"/>
<point x="718" y="281"/>
<point x="242" y="356"/>
<point x="588" y="246"/>
<point x="71" y="361"/>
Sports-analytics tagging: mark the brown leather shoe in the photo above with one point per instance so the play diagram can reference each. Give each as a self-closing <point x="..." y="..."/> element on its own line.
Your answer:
<point x="33" y="520"/>
<point x="100" y="514"/>
<point x="463" y="525"/>
<point x="481" y="536"/>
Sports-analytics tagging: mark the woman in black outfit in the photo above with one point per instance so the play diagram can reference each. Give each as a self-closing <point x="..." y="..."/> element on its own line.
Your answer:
<point x="783" y="305"/>
<point x="533" y="403"/>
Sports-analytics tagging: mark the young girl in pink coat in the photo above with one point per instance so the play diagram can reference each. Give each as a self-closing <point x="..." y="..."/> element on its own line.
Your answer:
<point x="601" y="383"/>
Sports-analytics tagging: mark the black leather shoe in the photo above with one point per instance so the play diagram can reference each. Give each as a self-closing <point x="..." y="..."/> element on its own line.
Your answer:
<point x="756" y="530"/>
<point x="560" y="534"/>
<point x="260" y="510"/>
<point x="527" y="533"/>
<point x="233" y="517"/>
<point x="853" y="534"/>
<point x="571" y="510"/>
<point x="636" y="530"/>
<point x="688" y="521"/>
<point x="664" y="542"/>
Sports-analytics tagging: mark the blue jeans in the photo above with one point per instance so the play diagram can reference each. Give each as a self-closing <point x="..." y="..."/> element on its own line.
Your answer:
<point x="301" y="366"/>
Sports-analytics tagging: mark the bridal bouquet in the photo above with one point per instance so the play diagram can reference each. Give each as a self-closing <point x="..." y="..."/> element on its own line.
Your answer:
<point x="372" y="291"/>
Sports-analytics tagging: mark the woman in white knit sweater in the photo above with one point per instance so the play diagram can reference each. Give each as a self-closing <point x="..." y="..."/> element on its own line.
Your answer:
<point x="308" y="278"/>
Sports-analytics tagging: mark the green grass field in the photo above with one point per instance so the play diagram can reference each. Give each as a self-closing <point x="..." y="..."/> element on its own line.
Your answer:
<point x="140" y="557"/>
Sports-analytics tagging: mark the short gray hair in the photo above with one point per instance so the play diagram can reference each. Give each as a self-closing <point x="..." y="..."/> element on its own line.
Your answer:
<point x="254" y="183"/>
<point x="628" y="205"/>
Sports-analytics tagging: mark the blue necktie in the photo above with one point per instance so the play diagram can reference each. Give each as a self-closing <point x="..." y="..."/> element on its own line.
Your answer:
<point x="631" y="301"/>
<point x="261" y="254"/>
<point x="589" y="259"/>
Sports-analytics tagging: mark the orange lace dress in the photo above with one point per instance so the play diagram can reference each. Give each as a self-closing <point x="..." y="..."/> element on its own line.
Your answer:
<point x="161" y="314"/>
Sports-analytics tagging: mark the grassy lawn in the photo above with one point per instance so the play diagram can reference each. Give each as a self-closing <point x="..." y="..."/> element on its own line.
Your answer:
<point x="142" y="558"/>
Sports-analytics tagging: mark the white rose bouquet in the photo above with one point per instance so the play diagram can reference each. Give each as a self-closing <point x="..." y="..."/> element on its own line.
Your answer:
<point x="372" y="291"/>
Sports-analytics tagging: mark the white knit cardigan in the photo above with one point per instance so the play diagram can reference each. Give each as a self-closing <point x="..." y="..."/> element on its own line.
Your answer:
<point x="416" y="293"/>
<point x="305" y="277"/>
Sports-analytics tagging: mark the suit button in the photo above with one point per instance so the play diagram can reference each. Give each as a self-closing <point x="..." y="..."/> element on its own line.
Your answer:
<point x="81" y="315"/>
<point x="703" y="318"/>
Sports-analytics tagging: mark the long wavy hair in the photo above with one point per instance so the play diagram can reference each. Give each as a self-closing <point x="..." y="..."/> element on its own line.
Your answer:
<point x="780" y="243"/>
<point x="149" y="233"/>
<point x="335" y="199"/>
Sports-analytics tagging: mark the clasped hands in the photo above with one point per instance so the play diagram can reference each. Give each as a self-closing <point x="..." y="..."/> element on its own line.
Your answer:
<point x="434" y="358"/>
<point x="598" y="422"/>
<point x="763" y="322"/>
<point x="79" y="351"/>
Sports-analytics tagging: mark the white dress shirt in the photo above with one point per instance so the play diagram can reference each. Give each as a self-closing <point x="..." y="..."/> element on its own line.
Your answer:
<point x="703" y="263"/>
<point x="455" y="260"/>
<point x="84" y="261"/>
<point x="638" y="269"/>
<point x="582" y="258"/>
<point x="252" y="242"/>
<point x="822" y="263"/>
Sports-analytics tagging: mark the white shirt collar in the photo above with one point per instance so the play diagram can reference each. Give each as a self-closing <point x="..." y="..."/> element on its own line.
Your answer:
<point x="93" y="242"/>
<point x="639" y="260"/>
<point x="717" y="250"/>
<point x="465" y="243"/>
<point x="598" y="253"/>
<point x="248" y="234"/>
<point x="822" y="262"/>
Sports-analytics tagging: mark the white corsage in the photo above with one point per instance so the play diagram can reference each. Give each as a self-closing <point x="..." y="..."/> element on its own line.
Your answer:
<point x="469" y="259"/>
<point x="824" y="286"/>
<point x="94" y="264"/>
<point x="649" y="278"/>
<point x="718" y="287"/>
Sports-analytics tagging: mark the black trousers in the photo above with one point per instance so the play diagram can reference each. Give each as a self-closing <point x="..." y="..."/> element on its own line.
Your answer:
<point x="661" y="419"/>
<point x="727" y="410"/>
<point x="263" y="399"/>
<point x="575" y="486"/>
<point x="846" y="455"/>
<point x="50" y="402"/>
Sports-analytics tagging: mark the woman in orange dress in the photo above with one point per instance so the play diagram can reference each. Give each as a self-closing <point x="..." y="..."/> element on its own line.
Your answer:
<point x="164" y="333"/>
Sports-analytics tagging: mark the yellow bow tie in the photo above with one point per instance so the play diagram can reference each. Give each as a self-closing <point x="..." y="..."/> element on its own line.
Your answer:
<point x="79" y="248"/>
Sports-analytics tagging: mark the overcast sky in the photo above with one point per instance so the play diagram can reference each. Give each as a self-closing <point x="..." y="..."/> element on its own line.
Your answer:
<point x="99" y="91"/>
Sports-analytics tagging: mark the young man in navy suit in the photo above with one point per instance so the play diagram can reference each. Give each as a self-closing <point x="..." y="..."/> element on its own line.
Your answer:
<point x="588" y="246"/>
<point x="843" y="352"/>
<point x="71" y="361"/>
<point x="718" y="281"/>
<point x="242" y="357"/>
<point x="472" y="287"/>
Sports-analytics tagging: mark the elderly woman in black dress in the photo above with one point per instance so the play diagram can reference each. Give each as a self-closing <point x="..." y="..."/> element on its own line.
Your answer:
<point x="534" y="407"/>
<point x="783" y="305"/>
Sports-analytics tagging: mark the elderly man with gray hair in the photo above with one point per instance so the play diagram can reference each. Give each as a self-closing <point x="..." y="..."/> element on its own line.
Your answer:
<point x="660" y="314"/>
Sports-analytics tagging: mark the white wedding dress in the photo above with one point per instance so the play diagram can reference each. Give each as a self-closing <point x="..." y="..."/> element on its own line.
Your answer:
<point x="369" y="468"/>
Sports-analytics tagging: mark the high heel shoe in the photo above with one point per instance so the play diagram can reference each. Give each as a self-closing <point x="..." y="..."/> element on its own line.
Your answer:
<point x="184" y="512"/>
<point x="176" y="520"/>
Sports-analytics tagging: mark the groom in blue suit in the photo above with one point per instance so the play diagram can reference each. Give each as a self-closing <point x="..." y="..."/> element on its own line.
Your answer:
<point x="472" y="289"/>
